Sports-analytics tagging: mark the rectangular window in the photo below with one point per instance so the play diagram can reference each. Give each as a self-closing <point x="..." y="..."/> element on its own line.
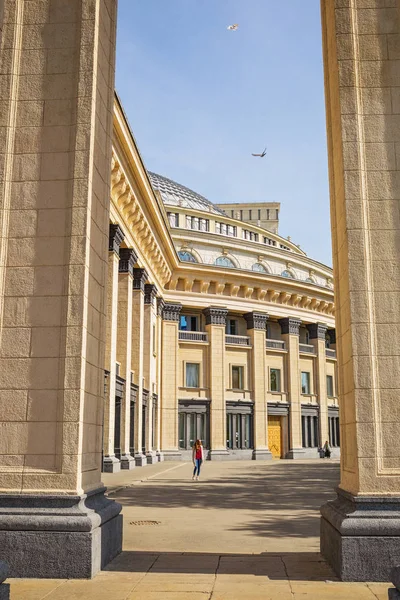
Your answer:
<point x="232" y="214"/>
<point x="250" y="215"/>
<point x="232" y="327"/>
<point x="267" y="214"/>
<point x="237" y="378"/>
<point x="275" y="380"/>
<point x="305" y="383"/>
<point x="188" y="323"/>
<point x="259" y="214"/>
<point x="241" y="215"/>
<point x="329" y="386"/>
<point x="183" y="323"/>
<point x="173" y="219"/>
<point x="192" y="375"/>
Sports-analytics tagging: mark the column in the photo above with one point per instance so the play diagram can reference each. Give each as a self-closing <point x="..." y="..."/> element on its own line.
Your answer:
<point x="149" y="364"/>
<point x="360" y="529"/>
<point x="160" y="308"/>
<point x="124" y="349"/>
<point x="215" y="328"/>
<point x="57" y="113"/>
<point x="139" y="278"/>
<point x="169" y="380"/>
<point x="111" y="463"/>
<point x="290" y="334"/>
<point x="256" y="329"/>
<point x="317" y="333"/>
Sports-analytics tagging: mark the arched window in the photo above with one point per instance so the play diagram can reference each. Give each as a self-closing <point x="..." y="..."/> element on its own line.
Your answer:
<point x="187" y="256"/>
<point x="259" y="267"/>
<point x="287" y="273"/>
<point x="224" y="261"/>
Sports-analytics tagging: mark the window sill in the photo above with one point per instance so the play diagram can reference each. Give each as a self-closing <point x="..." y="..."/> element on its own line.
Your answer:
<point x="191" y="389"/>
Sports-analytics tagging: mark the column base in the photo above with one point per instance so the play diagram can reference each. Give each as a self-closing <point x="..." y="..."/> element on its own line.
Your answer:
<point x="219" y="455"/>
<point x="151" y="458"/>
<point x="173" y="455"/>
<point x="111" y="464"/>
<point x="360" y="536"/>
<point x="140" y="460"/>
<point x="59" y="537"/>
<point x="296" y="453"/>
<point x="262" y="454"/>
<point x="128" y="462"/>
<point x="160" y="456"/>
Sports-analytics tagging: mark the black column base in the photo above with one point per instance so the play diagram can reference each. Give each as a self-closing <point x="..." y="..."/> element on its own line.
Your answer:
<point x="360" y="536"/>
<point x="59" y="537"/>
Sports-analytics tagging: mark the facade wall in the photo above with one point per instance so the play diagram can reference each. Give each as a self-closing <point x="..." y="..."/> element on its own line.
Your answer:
<point x="203" y="319"/>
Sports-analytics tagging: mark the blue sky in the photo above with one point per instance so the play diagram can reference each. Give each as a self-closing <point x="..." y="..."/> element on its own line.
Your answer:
<point x="200" y="99"/>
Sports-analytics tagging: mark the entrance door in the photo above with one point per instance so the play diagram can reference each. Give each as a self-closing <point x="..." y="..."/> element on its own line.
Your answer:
<point x="275" y="436"/>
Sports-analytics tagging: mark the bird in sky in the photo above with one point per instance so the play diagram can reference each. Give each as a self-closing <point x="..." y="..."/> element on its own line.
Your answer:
<point x="263" y="153"/>
<point x="233" y="27"/>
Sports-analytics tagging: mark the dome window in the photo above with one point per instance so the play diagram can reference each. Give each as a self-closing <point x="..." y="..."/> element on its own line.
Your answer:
<point x="259" y="268"/>
<point x="186" y="256"/>
<point x="288" y="274"/>
<point x="224" y="261"/>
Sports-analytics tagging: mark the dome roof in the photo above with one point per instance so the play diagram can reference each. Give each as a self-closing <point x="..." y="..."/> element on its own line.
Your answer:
<point x="175" y="194"/>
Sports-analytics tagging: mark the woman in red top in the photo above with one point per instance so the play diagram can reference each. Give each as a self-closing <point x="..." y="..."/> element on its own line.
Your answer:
<point x="198" y="457"/>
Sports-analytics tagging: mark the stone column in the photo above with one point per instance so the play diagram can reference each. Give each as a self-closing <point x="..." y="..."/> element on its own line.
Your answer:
<point x="317" y="333"/>
<point x="256" y="329"/>
<point x="124" y="349"/>
<point x="111" y="463"/>
<point x="215" y="328"/>
<point x="360" y="529"/>
<point x="57" y="112"/>
<point x="290" y="334"/>
<point x="139" y="278"/>
<point x="160" y="308"/>
<point x="149" y="365"/>
<point x="169" y="380"/>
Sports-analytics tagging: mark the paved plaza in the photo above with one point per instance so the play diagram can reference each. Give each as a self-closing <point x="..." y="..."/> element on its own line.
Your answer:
<point x="246" y="530"/>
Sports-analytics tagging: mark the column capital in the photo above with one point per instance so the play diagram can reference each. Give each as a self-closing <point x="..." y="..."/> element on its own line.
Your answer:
<point x="317" y="330"/>
<point x="171" y="311"/>
<point x="127" y="259"/>
<point x="332" y="335"/>
<point x="150" y="292"/>
<point x="215" y="315"/>
<point x="139" y="278"/>
<point x="290" y="325"/>
<point x="115" y="238"/>
<point x="256" y="320"/>
<point x="160" y="306"/>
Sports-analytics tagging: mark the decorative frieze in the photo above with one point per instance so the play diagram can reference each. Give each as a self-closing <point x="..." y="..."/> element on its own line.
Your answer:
<point x="317" y="331"/>
<point x="171" y="311"/>
<point x="215" y="315"/>
<point x="332" y="335"/>
<point x="140" y="276"/>
<point x="160" y="306"/>
<point x="150" y="293"/>
<point x="290" y="326"/>
<point x="256" y="320"/>
<point x="115" y="238"/>
<point x="127" y="260"/>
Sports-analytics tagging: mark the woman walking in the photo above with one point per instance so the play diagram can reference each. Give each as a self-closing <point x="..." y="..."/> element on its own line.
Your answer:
<point x="198" y="457"/>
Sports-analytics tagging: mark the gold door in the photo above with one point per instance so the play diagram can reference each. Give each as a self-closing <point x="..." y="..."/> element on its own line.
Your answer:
<point x="275" y="436"/>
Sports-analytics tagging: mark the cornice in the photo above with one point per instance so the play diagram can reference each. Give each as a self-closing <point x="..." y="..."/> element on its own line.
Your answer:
<point x="290" y="326"/>
<point x="317" y="331"/>
<point x="170" y="311"/>
<point x="127" y="260"/>
<point x="140" y="276"/>
<point x="115" y="238"/>
<point x="150" y="293"/>
<point x="215" y="315"/>
<point x="160" y="306"/>
<point x="256" y="320"/>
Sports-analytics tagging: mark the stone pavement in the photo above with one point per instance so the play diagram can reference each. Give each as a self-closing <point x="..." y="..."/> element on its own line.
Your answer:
<point x="245" y="531"/>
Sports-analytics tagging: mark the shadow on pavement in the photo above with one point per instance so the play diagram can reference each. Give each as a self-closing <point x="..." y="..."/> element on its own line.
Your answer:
<point x="307" y="566"/>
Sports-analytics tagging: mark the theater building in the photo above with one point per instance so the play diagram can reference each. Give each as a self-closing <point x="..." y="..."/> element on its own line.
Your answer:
<point x="217" y="328"/>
